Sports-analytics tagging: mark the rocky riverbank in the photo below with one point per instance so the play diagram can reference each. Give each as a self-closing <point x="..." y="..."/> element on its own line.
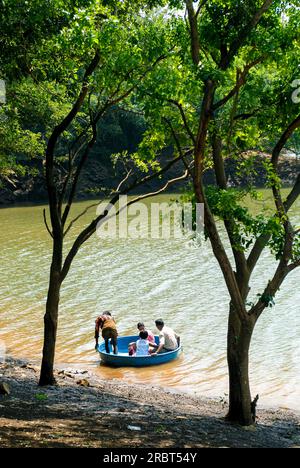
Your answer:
<point x="99" y="177"/>
<point x="85" y="411"/>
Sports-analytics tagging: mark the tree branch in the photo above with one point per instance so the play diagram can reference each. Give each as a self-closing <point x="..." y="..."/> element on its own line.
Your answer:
<point x="81" y="163"/>
<point x="152" y="194"/>
<point x="79" y="216"/>
<point x="282" y="208"/>
<point x="283" y="268"/>
<point x="242" y="273"/>
<point x="184" y="119"/>
<point x="195" y="42"/>
<point x="129" y="173"/>
<point x="201" y="5"/>
<point x="155" y="175"/>
<point x="240" y="82"/>
<point x="284" y="139"/>
<point x="57" y="132"/>
<point x="263" y="239"/>
<point x="91" y="228"/>
<point x="210" y="225"/>
<point x="178" y="145"/>
<point x="294" y="265"/>
<point x="46" y="223"/>
<point x="227" y="56"/>
<point x="273" y="285"/>
<point x="71" y="159"/>
<point x="146" y="195"/>
<point x="111" y="101"/>
<point x="138" y="80"/>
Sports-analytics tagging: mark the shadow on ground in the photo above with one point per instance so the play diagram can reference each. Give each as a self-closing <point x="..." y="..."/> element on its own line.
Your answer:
<point x="110" y="416"/>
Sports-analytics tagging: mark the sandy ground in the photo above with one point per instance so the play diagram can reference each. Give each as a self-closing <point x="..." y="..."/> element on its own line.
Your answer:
<point x="85" y="411"/>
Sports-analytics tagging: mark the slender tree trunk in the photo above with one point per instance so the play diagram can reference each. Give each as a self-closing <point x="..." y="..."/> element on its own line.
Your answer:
<point x="238" y="344"/>
<point x="51" y="318"/>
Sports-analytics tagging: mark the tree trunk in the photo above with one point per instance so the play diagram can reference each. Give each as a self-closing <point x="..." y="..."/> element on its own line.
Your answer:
<point x="50" y="322"/>
<point x="238" y="344"/>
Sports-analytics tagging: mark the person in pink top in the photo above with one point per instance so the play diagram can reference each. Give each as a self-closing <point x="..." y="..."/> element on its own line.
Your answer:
<point x="141" y="328"/>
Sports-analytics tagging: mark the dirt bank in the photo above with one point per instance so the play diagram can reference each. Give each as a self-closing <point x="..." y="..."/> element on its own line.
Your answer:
<point x="85" y="411"/>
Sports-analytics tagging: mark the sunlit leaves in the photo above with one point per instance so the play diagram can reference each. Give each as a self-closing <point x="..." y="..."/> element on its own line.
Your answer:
<point x="43" y="85"/>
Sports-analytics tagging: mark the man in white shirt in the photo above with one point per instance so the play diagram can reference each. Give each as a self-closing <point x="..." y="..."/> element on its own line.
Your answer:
<point x="168" y="338"/>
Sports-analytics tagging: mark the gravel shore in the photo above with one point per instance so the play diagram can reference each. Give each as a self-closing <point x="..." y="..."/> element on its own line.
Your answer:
<point x="85" y="411"/>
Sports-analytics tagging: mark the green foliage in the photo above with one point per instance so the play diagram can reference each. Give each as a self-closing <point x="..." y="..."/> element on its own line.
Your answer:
<point x="152" y="144"/>
<point x="48" y="44"/>
<point x="44" y="73"/>
<point x="223" y="20"/>
<point x="267" y="299"/>
<point x="229" y="206"/>
<point x="16" y="145"/>
<point x="250" y="123"/>
<point x="41" y="396"/>
<point x="273" y="180"/>
<point x="25" y="26"/>
<point x="296" y="247"/>
<point x="160" y="429"/>
<point x="226" y="205"/>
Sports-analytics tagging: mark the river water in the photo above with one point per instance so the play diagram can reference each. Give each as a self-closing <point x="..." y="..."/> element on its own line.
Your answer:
<point x="141" y="280"/>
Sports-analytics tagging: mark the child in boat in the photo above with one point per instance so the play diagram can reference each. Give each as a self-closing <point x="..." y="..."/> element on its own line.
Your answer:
<point x="141" y="327"/>
<point x="107" y="324"/>
<point x="142" y="346"/>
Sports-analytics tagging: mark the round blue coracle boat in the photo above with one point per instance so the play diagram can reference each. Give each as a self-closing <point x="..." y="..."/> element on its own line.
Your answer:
<point x="122" y="359"/>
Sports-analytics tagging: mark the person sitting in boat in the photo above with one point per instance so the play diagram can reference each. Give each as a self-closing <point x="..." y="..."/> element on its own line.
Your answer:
<point x="168" y="338"/>
<point x="141" y="327"/>
<point x="107" y="324"/>
<point x="142" y="346"/>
